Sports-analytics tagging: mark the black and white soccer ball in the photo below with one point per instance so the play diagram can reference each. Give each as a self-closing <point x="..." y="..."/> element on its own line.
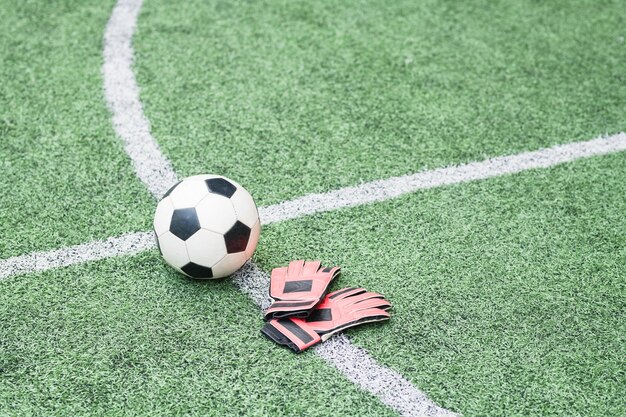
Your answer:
<point x="207" y="226"/>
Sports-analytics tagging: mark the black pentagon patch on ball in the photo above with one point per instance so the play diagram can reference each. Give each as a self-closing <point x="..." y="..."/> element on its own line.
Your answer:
<point x="237" y="238"/>
<point x="197" y="271"/>
<point x="184" y="223"/>
<point x="221" y="186"/>
<point x="168" y="192"/>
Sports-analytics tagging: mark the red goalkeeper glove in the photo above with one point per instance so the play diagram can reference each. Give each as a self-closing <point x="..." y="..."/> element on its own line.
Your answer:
<point x="298" y="288"/>
<point x="339" y="310"/>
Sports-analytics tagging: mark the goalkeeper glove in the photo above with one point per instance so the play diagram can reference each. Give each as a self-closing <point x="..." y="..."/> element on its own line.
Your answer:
<point x="298" y="288"/>
<point x="339" y="310"/>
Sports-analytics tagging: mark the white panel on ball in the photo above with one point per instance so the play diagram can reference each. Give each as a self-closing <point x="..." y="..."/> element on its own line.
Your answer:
<point x="229" y="264"/>
<point x="216" y="213"/>
<point x="202" y="177"/>
<point x="173" y="249"/>
<point x="254" y="239"/>
<point x="244" y="207"/>
<point x="206" y="248"/>
<point x="188" y="193"/>
<point x="163" y="216"/>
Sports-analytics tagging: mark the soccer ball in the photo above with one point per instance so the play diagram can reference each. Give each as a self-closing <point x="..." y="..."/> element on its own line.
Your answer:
<point x="207" y="226"/>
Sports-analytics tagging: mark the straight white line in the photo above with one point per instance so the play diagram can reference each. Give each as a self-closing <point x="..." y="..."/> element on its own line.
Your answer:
<point x="388" y="385"/>
<point x="370" y="192"/>
<point x="126" y="244"/>
<point x="385" y="189"/>
<point x="122" y="96"/>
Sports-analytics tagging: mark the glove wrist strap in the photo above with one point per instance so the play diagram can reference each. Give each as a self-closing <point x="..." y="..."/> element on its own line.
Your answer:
<point x="292" y="333"/>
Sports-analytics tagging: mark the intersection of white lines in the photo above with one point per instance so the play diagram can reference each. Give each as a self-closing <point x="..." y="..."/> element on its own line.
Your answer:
<point x="155" y="171"/>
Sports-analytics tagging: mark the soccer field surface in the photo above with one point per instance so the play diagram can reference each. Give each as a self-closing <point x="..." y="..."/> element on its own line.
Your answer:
<point x="465" y="159"/>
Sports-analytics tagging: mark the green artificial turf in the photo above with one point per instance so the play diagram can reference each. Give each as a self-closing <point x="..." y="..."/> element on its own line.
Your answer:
<point x="65" y="178"/>
<point x="292" y="97"/>
<point x="509" y="294"/>
<point x="128" y="336"/>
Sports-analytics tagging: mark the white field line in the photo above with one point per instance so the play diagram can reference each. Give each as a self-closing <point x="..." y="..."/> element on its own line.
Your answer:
<point x="255" y="284"/>
<point x="126" y="244"/>
<point x="385" y="189"/>
<point x="352" y="361"/>
<point x="370" y="192"/>
<point x="122" y="95"/>
<point x="155" y="171"/>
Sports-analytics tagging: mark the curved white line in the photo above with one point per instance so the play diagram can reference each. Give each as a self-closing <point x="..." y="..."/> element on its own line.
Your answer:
<point x="122" y="96"/>
<point x="155" y="171"/>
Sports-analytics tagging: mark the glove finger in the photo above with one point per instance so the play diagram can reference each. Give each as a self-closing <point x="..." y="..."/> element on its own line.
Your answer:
<point x="371" y="303"/>
<point x="327" y="275"/>
<point x="346" y="292"/>
<point x="295" y="268"/>
<point x="371" y="314"/>
<point x="280" y="272"/>
<point x="360" y="297"/>
<point x="310" y="268"/>
<point x="333" y="271"/>
<point x="335" y="298"/>
<point x="277" y="280"/>
<point x="380" y="315"/>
